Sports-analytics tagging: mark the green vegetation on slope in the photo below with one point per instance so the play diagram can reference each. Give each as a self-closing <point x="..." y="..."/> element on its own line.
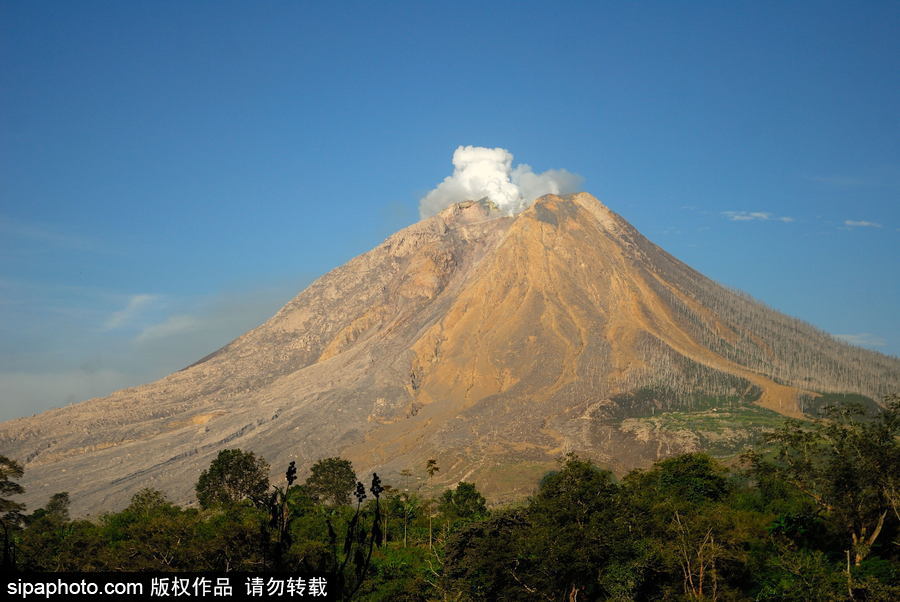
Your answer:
<point x="720" y="432"/>
<point x="815" y="406"/>
<point x="817" y="517"/>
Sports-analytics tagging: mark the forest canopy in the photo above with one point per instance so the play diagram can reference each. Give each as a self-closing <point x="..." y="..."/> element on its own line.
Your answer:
<point x="812" y="514"/>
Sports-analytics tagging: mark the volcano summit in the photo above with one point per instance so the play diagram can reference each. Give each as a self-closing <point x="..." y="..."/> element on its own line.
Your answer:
<point x="493" y="343"/>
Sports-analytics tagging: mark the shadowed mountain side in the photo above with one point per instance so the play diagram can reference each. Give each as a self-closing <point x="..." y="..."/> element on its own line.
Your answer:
<point x="492" y="343"/>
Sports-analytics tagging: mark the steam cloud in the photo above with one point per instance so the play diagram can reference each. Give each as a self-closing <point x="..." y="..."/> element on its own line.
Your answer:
<point x="480" y="172"/>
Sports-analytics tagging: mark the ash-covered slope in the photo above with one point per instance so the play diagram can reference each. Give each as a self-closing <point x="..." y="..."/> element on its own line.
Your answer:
<point x="492" y="343"/>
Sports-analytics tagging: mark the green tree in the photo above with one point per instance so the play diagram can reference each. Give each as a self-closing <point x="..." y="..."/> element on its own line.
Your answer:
<point x="280" y="509"/>
<point x="9" y="470"/>
<point x="146" y="501"/>
<point x="230" y="539"/>
<point x="154" y="534"/>
<point x="406" y="506"/>
<point x="51" y="542"/>
<point x="800" y="574"/>
<point x="332" y="481"/>
<point x="692" y="538"/>
<point x="488" y="560"/>
<point x="351" y="561"/>
<point x="233" y="476"/>
<point x="464" y="502"/>
<point x="10" y="511"/>
<point x="575" y="529"/>
<point x="557" y="547"/>
<point x="431" y="467"/>
<point x="59" y="505"/>
<point x="848" y="465"/>
<point x="690" y="478"/>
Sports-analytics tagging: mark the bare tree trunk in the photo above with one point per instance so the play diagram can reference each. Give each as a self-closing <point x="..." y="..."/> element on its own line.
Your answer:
<point x="862" y="544"/>
<point x="849" y="578"/>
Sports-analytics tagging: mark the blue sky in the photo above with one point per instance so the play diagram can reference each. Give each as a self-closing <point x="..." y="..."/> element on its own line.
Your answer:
<point x="173" y="172"/>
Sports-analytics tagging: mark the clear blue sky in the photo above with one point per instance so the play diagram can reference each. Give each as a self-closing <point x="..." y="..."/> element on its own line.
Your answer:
<point x="172" y="172"/>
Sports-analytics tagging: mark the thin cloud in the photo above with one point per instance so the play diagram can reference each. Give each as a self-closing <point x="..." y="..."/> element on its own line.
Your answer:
<point x="861" y="224"/>
<point x="26" y="393"/>
<point x="864" y="339"/>
<point x="76" y="364"/>
<point x="760" y="216"/>
<point x="174" y="325"/>
<point x="841" y="181"/>
<point x="136" y="304"/>
<point x="45" y="235"/>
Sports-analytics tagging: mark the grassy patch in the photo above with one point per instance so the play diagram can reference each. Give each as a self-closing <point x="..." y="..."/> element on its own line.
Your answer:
<point x="721" y="432"/>
<point x="650" y="401"/>
<point x="813" y="406"/>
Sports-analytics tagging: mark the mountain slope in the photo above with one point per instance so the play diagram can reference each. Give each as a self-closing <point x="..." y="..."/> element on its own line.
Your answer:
<point x="493" y="343"/>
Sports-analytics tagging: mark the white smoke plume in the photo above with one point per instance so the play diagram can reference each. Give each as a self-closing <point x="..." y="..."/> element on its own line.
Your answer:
<point x="480" y="172"/>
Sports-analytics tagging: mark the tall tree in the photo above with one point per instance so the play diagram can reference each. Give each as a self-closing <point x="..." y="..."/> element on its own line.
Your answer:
<point x="51" y="542"/>
<point x="407" y="507"/>
<point x="573" y="530"/>
<point x="848" y="464"/>
<point x="57" y="507"/>
<point x="10" y="511"/>
<point x="332" y="480"/>
<point x="10" y="470"/>
<point x="681" y="509"/>
<point x="431" y="467"/>
<point x="233" y="476"/>
<point x="359" y="543"/>
<point x="280" y="514"/>
<point x="464" y="502"/>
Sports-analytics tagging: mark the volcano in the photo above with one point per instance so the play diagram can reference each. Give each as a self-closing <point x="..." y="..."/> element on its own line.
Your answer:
<point x="492" y="343"/>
